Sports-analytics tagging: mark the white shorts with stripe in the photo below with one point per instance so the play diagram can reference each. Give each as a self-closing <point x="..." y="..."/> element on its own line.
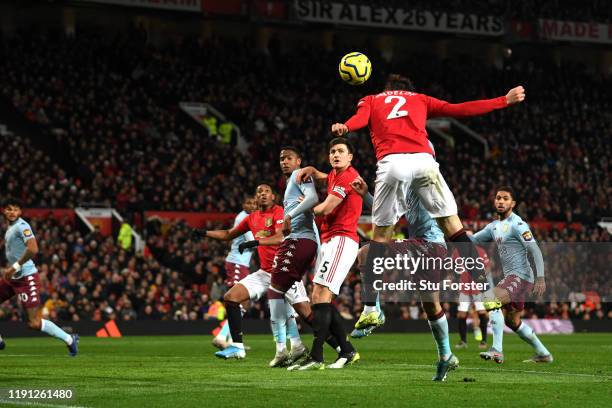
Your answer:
<point x="465" y="300"/>
<point x="257" y="285"/>
<point x="334" y="262"/>
<point x="399" y="174"/>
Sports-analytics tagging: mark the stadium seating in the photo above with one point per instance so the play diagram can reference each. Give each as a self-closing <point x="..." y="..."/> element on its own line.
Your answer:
<point x="113" y="105"/>
<point x="142" y="154"/>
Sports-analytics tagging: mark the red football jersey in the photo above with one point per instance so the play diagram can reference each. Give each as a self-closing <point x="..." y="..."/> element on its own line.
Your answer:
<point x="264" y="224"/>
<point x="343" y="220"/>
<point x="397" y="119"/>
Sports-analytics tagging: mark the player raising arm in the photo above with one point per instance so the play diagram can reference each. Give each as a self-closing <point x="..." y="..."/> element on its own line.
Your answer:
<point x="514" y="242"/>
<point x="266" y="225"/>
<point x="397" y="118"/>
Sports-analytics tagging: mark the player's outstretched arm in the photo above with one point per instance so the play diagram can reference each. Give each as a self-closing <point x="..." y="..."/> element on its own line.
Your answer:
<point x="221" y="235"/>
<point x="437" y="107"/>
<point x="310" y="171"/>
<point x="339" y="129"/>
<point x="484" y="235"/>
<point x="515" y="95"/>
<point x="359" y="120"/>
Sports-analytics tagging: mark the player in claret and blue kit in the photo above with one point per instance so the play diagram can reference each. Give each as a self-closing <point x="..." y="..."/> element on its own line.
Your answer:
<point x="21" y="279"/>
<point x="514" y="242"/>
<point x="236" y="267"/>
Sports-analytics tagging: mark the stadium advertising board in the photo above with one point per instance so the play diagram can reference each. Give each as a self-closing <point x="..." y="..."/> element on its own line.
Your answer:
<point x="575" y="31"/>
<point x="179" y="5"/>
<point x="397" y="18"/>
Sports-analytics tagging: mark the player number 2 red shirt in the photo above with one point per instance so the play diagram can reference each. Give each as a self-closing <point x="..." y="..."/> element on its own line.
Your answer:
<point x="397" y="119"/>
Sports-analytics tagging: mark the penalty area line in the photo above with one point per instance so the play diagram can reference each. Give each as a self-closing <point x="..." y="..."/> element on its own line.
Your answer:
<point x="513" y="371"/>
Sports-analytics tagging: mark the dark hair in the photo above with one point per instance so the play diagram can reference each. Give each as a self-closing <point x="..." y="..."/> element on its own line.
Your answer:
<point x="341" y="140"/>
<point x="265" y="183"/>
<point x="508" y="189"/>
<point x="293" y="149"/>
<point x="12" y="201"/>
<point x="396" y="82"/>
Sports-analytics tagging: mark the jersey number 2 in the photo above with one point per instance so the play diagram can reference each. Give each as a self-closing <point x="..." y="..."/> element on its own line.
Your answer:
<point x="396" y="112"/>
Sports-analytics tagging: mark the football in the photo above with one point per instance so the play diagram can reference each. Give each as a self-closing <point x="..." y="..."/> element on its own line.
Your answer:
<point x="355" y="68"/>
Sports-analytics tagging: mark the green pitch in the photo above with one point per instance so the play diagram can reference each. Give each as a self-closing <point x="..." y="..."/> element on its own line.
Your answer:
<point x="395" y="370"/>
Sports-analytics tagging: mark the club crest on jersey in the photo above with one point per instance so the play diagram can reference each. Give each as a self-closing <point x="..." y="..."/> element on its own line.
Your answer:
<point x="262" y="234"/>
<point x="505" y="228"/>
<point x="340" y="190"/>
<point x="268" y="222"/>
<point x="27" y="233"/>
<point x="527" y="236"/>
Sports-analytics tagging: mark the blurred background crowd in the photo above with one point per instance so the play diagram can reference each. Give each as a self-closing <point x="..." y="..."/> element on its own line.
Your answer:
<point x="114" y="135"/>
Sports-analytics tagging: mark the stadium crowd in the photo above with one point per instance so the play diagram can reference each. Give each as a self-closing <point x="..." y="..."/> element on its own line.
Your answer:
<point x="89" y="277"/>
<point x="113" y="104"/>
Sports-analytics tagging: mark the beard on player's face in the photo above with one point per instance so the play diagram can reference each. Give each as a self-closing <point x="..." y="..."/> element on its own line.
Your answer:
<point x="12" y="213"/>
<point x="503" y="207"/>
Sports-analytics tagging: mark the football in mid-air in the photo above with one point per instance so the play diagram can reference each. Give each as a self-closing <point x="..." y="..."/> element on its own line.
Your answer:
<point x="355" y="68"/>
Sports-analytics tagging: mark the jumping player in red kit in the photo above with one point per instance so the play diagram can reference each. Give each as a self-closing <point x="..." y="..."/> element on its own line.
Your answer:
<point x="397" y="118"/>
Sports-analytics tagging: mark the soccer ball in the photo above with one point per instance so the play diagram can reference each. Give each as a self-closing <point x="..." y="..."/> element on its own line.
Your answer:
<point x="355" y="68"/>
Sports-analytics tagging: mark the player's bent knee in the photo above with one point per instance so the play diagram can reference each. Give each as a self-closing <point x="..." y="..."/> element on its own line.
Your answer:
<point x="303" y="309"/>
<point x="513" y="321"/>
<point x="237" y="294"/>
<point x="321" y="294"/>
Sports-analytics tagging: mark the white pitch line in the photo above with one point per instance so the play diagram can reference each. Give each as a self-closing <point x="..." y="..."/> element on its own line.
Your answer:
<point x="511" y="370"/>
<point x="37" y="404"/>
<point x="23" y="355"/>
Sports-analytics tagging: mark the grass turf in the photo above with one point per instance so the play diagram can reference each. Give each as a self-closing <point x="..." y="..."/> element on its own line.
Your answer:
<point x="395" y="370"/>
